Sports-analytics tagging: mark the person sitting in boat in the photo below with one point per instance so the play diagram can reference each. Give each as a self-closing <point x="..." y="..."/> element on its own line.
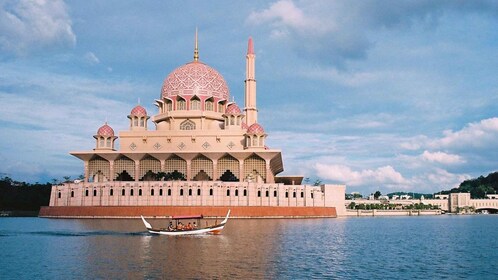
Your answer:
<point x="194" y="226"/>
<point x="180" y="226"/>
<point x="189" y="226"/>
<point x="171" y="227"/>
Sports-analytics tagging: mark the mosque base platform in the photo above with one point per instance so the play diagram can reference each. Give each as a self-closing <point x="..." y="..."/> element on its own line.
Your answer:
<point x="167" y="211"/>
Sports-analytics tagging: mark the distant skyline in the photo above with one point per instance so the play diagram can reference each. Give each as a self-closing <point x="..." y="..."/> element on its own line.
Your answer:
<point x="378" y="95"/>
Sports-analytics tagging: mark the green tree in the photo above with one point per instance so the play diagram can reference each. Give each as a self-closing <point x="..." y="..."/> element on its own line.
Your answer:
<point x="377" y="194"/>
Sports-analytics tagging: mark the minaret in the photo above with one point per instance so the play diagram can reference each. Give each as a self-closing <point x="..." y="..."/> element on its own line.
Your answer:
<point x="250" y="86"/>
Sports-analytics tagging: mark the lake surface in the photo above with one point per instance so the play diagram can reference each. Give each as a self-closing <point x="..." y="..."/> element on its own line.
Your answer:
<point x="435" y="247"/>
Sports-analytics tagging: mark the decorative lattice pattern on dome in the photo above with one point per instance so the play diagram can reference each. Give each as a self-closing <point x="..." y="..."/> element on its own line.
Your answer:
<point x="195" y="78"/>
<point x="255" y="128"/>
<point x="138" y="111"/>
<point x="105" y="131"/>
<point x="233" y="109"/>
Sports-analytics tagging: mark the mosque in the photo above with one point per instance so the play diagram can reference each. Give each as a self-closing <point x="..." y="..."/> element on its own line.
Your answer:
<point x="205" y="155"/>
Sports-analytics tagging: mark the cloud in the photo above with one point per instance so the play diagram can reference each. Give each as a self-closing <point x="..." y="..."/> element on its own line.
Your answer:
<point x="27" y="26"/>
<point x="482" y="134"/>
<point x="385" y="175"/>
<point x="441" y="157"/>
<point x="335" y="32"/>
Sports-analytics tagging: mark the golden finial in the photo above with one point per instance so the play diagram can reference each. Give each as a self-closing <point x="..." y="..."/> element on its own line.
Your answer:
<point x="196" y="50"/>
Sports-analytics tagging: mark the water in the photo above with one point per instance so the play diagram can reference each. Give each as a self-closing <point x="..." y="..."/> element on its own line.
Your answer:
<point x="436" y="247"/>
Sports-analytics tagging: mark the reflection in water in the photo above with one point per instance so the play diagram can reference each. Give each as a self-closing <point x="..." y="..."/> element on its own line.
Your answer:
<point x="361" y="248"/>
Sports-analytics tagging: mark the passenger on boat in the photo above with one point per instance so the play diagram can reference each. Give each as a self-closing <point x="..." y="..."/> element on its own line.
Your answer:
<point x="189" y="226"/>
<point x="171" y="227"/>
<point x="180" y="226"/>
<point x="194" y="226"/>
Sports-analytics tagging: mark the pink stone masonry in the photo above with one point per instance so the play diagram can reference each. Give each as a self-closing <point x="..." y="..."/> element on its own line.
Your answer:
<point x="255" y="128"/>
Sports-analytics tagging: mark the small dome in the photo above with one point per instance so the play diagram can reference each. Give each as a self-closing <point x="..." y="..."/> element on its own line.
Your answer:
<point x="244" y="126"/>
<point x="233" y="109"/>
<point x="255" y="128"/>
<point x="138" y="111"/>
<point x="105" y="131"/>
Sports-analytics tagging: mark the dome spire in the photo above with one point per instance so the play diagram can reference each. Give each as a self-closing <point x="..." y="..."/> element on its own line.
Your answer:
<point x="196" y="49"/>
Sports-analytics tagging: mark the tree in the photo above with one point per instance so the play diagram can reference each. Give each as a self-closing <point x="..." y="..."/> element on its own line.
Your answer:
<point x="317" y="183"/>
<point x="67" y="179"/>
<point x="377" y="194"/>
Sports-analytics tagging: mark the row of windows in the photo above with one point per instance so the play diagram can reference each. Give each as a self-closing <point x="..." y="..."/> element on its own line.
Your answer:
<point x="123" y="193"/>
<point x="195" y="104"/>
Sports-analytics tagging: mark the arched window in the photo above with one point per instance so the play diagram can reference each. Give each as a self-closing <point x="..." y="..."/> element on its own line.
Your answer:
<point x="160" y="192"/>
<point x="169" y="105"/>
<point x="94" y="192"/>
<point x="232" y="120"/>
<point x="228" y="192"/>
<point x="187" y="125"/>
<point x="169" y="192"/>
<point x="181" y="191"/>
<point x="221" y="107"/>
<point x="254" y="141"/>
<point x="302" y="194"/>
<point x="259" y="193"/>
<point x="72" y="193"/>
<point x="59" y="195"/>
<point x="111" y="192"/>
<point x="198" y="191"/>
<point x="245" y="192"/>
<point x="139" y="192"/>
<point x="294" y="194"/>
<point x="108" y="142"/>
<point x="86" y="192"/>
<point x="142" y="122"/>
<point x="210" y="191"/>
<point x="275" y="193"/>
<point x="195" y="104"/>
<point x="209" y="105"/>
<point x="236" y="192"/>
<point x="267" y="193"/>
<point x="131" y="192"/>
<point x="135" y="121"/>
<point x="181" y="104"/>
<point x="286" y="194"/>
<point x="123" y="192"/>
<point x="190" y="192"/>
<point x="101" y="142"/>
<point x="152" y="192"/>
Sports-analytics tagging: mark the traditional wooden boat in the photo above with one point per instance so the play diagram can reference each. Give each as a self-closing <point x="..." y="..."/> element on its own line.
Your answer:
<point x="175" y="227"/>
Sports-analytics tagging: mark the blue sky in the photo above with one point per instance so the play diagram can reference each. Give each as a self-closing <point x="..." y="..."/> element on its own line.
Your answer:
<point x="379" y="95"/>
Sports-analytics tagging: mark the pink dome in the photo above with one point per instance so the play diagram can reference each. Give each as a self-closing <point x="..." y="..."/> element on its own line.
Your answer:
<point x="105" y="131"/>
<point x="138" y="111"/>
<point x="244" y="126"/>
<point x="255" y="128"/>
<point x="233" y="109"/>
<point x="195" y="78"/>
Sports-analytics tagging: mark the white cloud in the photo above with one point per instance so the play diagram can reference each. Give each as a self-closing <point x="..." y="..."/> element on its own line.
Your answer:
<point x="441" y="157"/>
<point x="337" y="31"/>
<point x="479" y="135"/>
<point x="31" y="25"/>
<point x="385" y="175"/>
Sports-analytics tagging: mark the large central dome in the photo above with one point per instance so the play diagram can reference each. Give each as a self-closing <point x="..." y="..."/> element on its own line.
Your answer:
<point x="195" y="78"/>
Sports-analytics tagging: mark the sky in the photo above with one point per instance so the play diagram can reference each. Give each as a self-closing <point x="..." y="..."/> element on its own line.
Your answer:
<point x="378" y="95"/>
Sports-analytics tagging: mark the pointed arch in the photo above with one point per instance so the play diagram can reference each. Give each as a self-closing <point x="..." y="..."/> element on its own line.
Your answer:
<point x="100" y="166"/>
<point x="200" y="165"/>
<point x="175" y="168"/>
<point x="228" y="168"/>
<point x="187" y="125"/>
<point x="124" y="168"/>
<point x="254" y="168"/>
<point x="149" y="166"/>
<point x="195" y="103"/>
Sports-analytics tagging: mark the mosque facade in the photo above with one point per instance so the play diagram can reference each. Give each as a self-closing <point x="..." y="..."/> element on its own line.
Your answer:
<point x="205" y="154"/>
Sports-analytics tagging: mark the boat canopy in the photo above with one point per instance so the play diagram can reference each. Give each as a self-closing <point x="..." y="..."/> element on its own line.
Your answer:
<point x="187" y="217"/>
